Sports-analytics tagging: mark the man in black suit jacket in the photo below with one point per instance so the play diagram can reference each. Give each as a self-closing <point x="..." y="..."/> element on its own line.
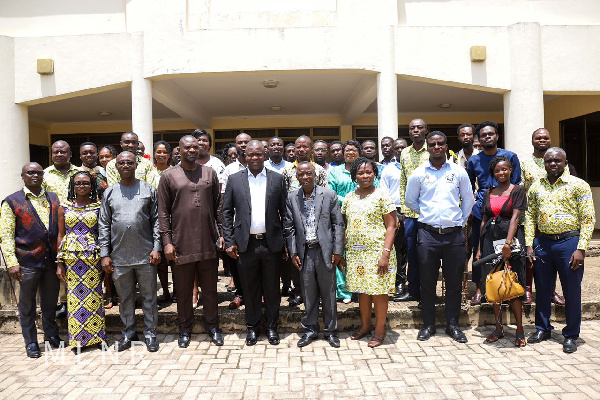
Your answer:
<point x="314" y="230"/>
<point x="253" y="211"/>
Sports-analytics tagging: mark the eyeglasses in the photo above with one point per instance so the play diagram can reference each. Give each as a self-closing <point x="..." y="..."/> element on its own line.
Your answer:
<point x="34" y="173"/>
<point x="232" y="155"/>
<point x="126" y="163"/>
<point x="433" y="144"/>
<point x="320" y="150"/>
<point x="350" y="150"/>
<point x="85" y="183"/>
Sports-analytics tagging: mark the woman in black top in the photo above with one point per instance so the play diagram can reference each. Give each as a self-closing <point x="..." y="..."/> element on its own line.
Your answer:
<point x="501" y="227"/>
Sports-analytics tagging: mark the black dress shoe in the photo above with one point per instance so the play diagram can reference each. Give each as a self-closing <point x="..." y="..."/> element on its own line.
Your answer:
<point x="152" y="344"/>
<point x="33" y="350"/>
<point x="400" y="291"/>
<point x="61" y="311"/>
<point x="570" y="345"/>
<point x="125" y="343"/>
<point x="426" y="333"/>
<point x="539" y="336"/>
<point x="287" y="292"/>
<point x="55" y="341"/>
<point x="251" y="337"/>
<point x="333" y="341"/>
<point x="296" y="301"/>
<point x="216" y="336"/>
<point x="184" y="340"/>
<point x="455" y="333"/>
<point x="306" y="339"/>
<point x="406" y="297"/>
<point x="273" y="337"/>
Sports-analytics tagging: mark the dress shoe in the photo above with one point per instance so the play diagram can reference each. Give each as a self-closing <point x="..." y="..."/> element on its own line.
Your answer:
<point x="455" y="333"/>
<point x="273" y="337"/>
<point x="287" y="292"/>
<point x="557" y="299"/>
<point x="307" y="339"/>
<point x="333" y="341"/>
<point x="237" y="302"/>
<point x="125" y="343"/>
<point x="296" y="301"/>
<point x="55" y="341"/>
<point x="251" y="337"/>
<point x="406" y="297"/>
<point x="61" y="311"/>
<point x="528" y="295"/>
<point x="476" y="300"/>
<point x="426" y="333"/>
<point x="400" y="290"/>
<point x="152" y="344"/>
<point x="570" y="345"/>
<point x="184" y="340"/>
<point x="33" y="350"/>
<point x="216" y="337"/>
<point x="539" y="336"/>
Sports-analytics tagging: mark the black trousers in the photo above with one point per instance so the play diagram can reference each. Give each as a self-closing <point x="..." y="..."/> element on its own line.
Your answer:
<point x="184" y="283"/>
<point x="432" y="248"/>
<point x="46" y="281"/>
<point x="401" y="256"/>
<point x="259" y="272"/>
<point x="233" y="268"/>
<point x="289" y="275"/>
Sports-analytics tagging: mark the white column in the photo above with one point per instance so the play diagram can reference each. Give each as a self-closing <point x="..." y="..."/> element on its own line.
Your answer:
<point x="141" y="96"/>
<point x="387" y="88"/>
<point x="524" y="104"/>
<point x="14" y="120"/>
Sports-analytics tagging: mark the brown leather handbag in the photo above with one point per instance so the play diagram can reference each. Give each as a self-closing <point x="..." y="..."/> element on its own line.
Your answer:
<point x="502" y="284"/>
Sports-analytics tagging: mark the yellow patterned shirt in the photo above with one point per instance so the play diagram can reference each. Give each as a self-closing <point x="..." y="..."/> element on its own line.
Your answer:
<point x="8" y="223"/>
<point x="566" y="205"/>
<point x="56" y="182"/>
<point x="533" y="169"/>
<point x="410" y="159"/>
<point x="144" y="171"/>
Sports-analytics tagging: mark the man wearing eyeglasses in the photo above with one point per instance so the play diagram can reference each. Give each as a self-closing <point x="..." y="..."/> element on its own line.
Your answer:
<point x="439" y="191"/>
<point x="29" y="232"/>
<point x="130" y="247"/>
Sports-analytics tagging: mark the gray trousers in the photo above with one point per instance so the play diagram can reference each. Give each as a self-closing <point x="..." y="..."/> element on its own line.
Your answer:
<point x="46" y="281"/>
<point x="318" y="281"/>
<point x="125" y="279"/>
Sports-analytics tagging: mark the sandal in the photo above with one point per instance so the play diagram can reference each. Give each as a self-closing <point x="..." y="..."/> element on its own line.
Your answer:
<point x="109" y="303"/>
<point x="360" y="334"/>
<point x="494" y="336"/>
<point x="376" y="341"/>
<point x="520" y="340"/>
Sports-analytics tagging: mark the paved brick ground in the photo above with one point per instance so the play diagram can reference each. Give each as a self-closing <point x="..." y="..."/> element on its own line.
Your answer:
<point x="402" y="368"/>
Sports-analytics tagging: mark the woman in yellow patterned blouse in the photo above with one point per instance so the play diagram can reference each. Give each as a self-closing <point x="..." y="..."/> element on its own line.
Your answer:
<point x="78" y="262"/>
<point x="371" y="222"/>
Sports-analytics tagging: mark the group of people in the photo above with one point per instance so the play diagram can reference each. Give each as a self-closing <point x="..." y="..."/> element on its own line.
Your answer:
<point x="315" y="222"/>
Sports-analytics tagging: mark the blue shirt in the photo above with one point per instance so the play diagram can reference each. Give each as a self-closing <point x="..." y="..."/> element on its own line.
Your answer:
<point x="478" y="169"/>
<point x="442" y="197"/>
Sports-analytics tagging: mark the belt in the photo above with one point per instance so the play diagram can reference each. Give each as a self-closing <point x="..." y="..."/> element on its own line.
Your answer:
<point x="312" y="245"/>
<point x="258" y="236"/>
<point x="560" y="236"/>
<point x="441" y="231"/>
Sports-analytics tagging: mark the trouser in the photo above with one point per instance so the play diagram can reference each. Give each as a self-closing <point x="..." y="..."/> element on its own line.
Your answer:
<point x="207" y="280"/>
<point x="450" y="249"/>
<point x="410" y="230"/>
<point x="289" y="275"/>
<point x="554" y="256"/>
<point x="400" y="246"/>
<point x="473" y="246"/>
<point x="259" y="273"/>
<point x="125" y="278"/>
<point x="62" y="292"/>
<point x="46" y="281"/>
<point x="318" y="282"/>
<point x="235" y="274"/>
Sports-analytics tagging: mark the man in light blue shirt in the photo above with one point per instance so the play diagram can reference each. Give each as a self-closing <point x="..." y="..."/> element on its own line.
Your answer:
<point x="440" y="191"/>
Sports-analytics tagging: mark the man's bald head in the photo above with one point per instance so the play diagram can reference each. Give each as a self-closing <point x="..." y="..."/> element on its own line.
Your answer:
<point x="30" y="166"/>
<point x="125" y="154"/>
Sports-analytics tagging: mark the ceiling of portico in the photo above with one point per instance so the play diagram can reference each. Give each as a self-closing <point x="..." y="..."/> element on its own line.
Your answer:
<point x="208" y="96"/>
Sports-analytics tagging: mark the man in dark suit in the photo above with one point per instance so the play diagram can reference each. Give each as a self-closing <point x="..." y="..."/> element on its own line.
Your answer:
<point x="314" y="231"/>
<point x="253" y="211"/>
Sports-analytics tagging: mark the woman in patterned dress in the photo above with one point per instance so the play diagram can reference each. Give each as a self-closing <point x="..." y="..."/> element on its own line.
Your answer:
<point x="371" y="222"/>
<point x="78" y="262"/>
